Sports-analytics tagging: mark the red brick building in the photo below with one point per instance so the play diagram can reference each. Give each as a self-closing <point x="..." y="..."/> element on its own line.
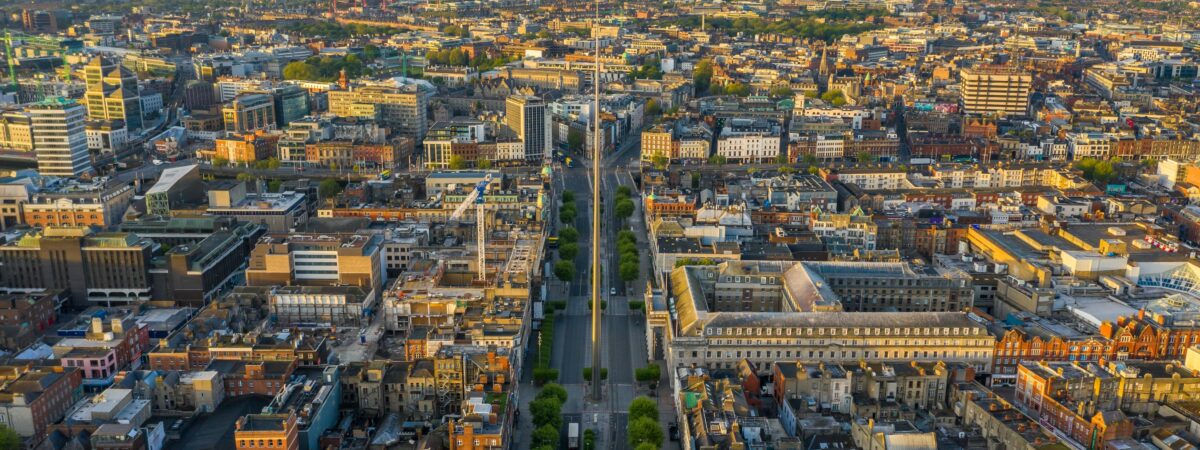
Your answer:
<point x="257" y="378"/>
<point x="35" y="311"/>
<point x="1148" y="337"/>
<point x="1018" y="345"/>
<point x="34" y="397"/>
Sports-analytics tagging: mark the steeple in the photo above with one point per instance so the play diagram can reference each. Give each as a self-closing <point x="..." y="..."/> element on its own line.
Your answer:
<point x="824" y="68"/>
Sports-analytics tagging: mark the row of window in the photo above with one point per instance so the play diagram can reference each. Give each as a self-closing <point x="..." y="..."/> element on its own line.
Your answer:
<point x="844" y="354"/>
<point x="820" y="331"/>
<point x="266" y="443"/>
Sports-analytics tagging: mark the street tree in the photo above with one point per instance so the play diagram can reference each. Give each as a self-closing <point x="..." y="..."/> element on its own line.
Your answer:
<point x="553" y="390"/>
<point x="329" y="188"/>
<point x="546" y="411"/>
<point x="643" y="407"/>
<point x="545" y="435"/>
<point x="645" y="430"/>
<point x="568" y="251"/>
<point x="564" y="270"/>
<point x="624" y="209"/>
<point x="568" y="235"/>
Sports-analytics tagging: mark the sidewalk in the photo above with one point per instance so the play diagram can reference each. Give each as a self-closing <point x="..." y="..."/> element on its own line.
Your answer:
<point x="526" y="390"/>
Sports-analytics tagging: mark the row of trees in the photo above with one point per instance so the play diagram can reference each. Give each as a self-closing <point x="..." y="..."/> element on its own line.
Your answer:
<point x="457" y="57"/>
<point x="644" y="431"/>
<point x="587" y="374"/>
<point x="1098" y="171"/>
<point x="336" y="31"/>
<point x="567" y="212"/>
<point x="325" y="68"/>
<point x="568" y="239"/>
<point x="824" y="25"/>
<point x="568" y="247"/>
<point x="630" y="262"/>
<point x="266" y="164"/>
<point x="735" y="88"/>
<point x="651" y="69"/>
<point x="834" y="97"/>
<point x="546" y="409"/>
<point x="455" y="30"/>
<point x="827" y="14"/>
<point x="624" y="205"/>
<point x="543" y="373"/>
<point x="457" y="162"/>
<point x="649" y="374"/>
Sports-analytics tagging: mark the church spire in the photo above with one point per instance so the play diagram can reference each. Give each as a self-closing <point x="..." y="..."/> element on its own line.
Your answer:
<point x="824" y="68"/>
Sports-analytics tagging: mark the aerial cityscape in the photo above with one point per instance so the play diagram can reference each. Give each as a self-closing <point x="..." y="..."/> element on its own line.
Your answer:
<point x="627" y="225"/>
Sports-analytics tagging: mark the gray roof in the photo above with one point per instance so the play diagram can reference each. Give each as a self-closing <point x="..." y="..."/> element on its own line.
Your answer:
<point x="841" y="319"/>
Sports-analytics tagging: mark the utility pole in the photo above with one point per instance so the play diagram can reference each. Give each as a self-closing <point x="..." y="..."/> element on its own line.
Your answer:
<point x="597" y="156"/>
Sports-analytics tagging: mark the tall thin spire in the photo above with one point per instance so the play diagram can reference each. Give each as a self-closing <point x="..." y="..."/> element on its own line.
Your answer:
<point x="597" y="156"/>
<point x="824" y="68"/>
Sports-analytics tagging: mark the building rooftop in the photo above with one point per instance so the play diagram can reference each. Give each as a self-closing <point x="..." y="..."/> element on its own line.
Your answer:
<point x="169" y="177"/>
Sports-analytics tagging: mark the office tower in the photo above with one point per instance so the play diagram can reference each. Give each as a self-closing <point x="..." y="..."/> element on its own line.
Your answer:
<point x="59" y="137"/>
<point x="526" y="116"/>
<point x="998" y="90"/>
<point x="16" y="131"/>
<point x="291" y="104"/>
<point x="36" y="21"/>
<point x="112" y="92"/>
<point x="324" y="260"/>
<point x="199" y="95"/>
<point x="249" y="112"/>
<point x="93" y="268"/>
<point x="403" y="109"/>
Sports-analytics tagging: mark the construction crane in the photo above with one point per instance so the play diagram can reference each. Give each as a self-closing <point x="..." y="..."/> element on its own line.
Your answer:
<point x="12" y="61"/>
<point x="52" y="46"/>
<point x="476" y="198"/>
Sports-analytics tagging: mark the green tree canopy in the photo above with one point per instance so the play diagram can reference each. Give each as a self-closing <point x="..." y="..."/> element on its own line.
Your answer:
<point x="575" y="140"/>
<point x="545" y="435"/>
<point x="834" y="97"/>
<point x="568" y="251"/>
<point x="568" y="235"/>
<point x="652" y="107"/>
<point x="645" y="430"/>
<point x="643" y="407"/>
<point x="651" y="69"/>
<point x="624" y="208"/>
<point x="329" y="188"/>
<point x="546" y="411"/>
<point x="553" y="390"/>
<point x="325" y="68"/>
<point x="587" y="373"/>
<point x="629" y="270"/>
<point x="702" y="75"/>
<point x="737" y="88"/>
<point x="564" y="270"/>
